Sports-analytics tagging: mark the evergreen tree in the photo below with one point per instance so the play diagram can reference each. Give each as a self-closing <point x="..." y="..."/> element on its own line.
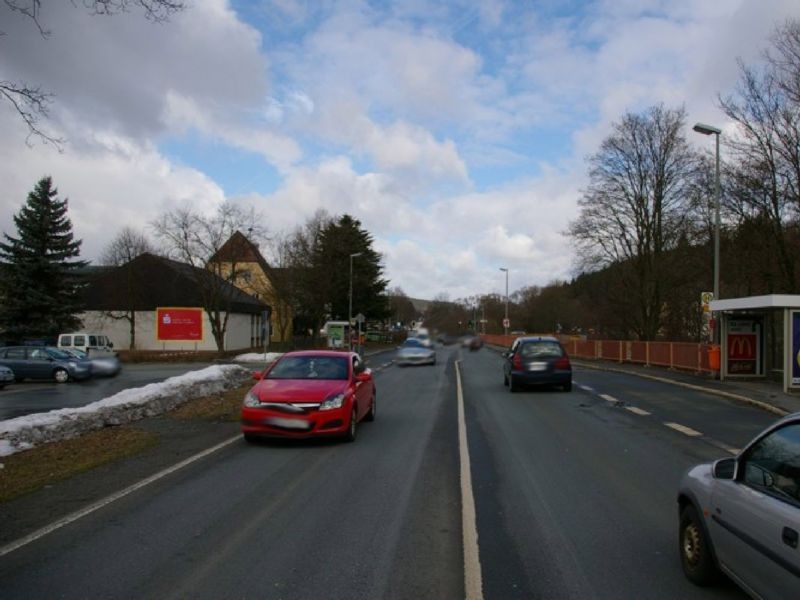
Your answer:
<point x="39" y="291"/>
<point x="338" y="240"/>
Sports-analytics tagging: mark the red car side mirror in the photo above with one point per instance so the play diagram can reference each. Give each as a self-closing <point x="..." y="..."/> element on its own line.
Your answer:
<point x="257" y="375"/>
<point x="365" y="376"/>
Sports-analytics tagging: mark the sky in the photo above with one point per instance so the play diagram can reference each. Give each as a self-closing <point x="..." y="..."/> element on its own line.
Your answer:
<point x="456" y="132"/>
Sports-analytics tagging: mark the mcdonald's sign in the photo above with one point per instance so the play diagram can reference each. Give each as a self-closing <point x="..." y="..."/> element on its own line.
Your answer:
<point x="742" y="346"/>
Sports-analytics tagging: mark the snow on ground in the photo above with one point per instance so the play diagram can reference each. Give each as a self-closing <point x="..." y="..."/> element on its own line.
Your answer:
<point x="263" y="357"/>
<point x="128" y="405"/>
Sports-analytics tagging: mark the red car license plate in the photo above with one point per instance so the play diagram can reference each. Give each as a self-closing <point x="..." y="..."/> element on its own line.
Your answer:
<point x="288" y="423"/>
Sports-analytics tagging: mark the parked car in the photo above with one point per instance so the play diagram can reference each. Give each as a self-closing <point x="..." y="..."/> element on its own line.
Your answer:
<point x="536" y="360"/>
<point x="91" y="343"/>
<point x="742" y="515"/>
<point x="44" y="362"/>
<point x="415" y="352"/>
<point x="310" y="393"/>
<point x="6" y="376"/>
<point x="103" y="365"/>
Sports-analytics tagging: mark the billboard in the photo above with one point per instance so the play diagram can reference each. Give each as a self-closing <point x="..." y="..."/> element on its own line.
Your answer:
<point x="744" y="347"/>
<point x="795" y="336"/>
<point x="179" y="324"/>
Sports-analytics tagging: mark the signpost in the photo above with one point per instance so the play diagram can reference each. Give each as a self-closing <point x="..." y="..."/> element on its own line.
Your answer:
<point x="795" y="325"/>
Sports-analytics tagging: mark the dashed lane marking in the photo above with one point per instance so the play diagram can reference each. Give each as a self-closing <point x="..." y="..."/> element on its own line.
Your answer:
<point x="637" y="411"/>
<point x="586" y="388"/>
<point x="608" y="398"/>
<point x="683" y="429"/>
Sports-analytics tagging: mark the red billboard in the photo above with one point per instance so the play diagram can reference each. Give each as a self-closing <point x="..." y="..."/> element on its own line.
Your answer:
<point x="179" y="324"/>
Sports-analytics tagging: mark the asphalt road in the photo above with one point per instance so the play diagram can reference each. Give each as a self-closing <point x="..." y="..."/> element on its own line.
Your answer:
<point x="574" y="495"/>
<point x="30" y="397"/>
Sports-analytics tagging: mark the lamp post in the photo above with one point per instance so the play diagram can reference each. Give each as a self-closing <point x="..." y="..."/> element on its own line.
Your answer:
<point x="708" y="130"/>
<point x="505" y="321"/>
<point x="350" y="304"/>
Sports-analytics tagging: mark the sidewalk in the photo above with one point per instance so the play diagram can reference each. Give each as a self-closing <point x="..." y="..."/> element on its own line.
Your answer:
<point x="768" y="395"/>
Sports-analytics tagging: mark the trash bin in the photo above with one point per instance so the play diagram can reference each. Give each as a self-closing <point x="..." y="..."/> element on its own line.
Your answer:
<point x="713" y="357"/>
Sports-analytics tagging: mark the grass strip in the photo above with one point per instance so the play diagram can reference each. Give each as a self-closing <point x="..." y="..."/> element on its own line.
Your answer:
<point x="32" y="469"/>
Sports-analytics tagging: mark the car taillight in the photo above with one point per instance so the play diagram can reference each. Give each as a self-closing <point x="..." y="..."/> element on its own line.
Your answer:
<point x="562" y="363"/>
<point x="517" y="361"/>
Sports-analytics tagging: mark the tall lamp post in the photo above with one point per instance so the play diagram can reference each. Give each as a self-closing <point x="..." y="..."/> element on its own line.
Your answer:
<point x="350" y="304"/>
<point x="505" y="321"/>
<point x="708" y="130"/>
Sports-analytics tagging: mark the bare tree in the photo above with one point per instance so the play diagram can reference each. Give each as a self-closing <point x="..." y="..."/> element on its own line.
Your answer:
<point x="636" y="210"/>
<point x="31" y="102"/>
<point x="765" y="148"/>
<point x="127" y="245"/>
<point x="195" y="239"/>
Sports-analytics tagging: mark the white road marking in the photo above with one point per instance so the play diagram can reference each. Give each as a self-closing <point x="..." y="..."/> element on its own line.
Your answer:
<point x="608" y="398"/>
<point x="587" y="388"/>
<point x="71" y="518"/>
<point x="638" y="411"/>
<point x="473" y="584"/>
<point x="683" y="429"/>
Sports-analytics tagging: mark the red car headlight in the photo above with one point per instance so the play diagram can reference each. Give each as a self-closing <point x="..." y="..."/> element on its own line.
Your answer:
<point x="251" y="400"/>
<point x="333" y="401"/>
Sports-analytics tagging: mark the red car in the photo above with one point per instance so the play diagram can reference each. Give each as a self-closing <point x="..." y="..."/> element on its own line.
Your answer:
<point x="310" y="393"/>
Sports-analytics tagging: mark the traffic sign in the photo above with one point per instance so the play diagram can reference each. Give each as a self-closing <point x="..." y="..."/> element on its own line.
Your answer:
<point x="506" y="323"/>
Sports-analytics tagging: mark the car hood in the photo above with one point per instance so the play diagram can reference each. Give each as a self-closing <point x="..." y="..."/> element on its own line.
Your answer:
<point x="414" y="351"/>
<point x="297" y="390"/>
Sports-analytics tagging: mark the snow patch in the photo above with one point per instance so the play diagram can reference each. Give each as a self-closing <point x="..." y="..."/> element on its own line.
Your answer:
<point x="255" y="357"/>
<point x="126" y="406"/>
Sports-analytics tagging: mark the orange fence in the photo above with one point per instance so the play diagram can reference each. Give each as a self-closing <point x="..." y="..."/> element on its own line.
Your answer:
<point x="675" y="355"/>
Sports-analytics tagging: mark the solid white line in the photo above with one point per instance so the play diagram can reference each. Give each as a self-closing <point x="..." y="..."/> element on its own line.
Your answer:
<point x="39" y="533"/>
<point x="683" y="429"/>
<point x="608" y="398"/>
<point x="473" y="584"/>
<point x="637" y="411"/>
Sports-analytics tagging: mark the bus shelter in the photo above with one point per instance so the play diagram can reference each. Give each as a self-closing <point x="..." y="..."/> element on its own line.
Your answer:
<point x="760" y="338"/>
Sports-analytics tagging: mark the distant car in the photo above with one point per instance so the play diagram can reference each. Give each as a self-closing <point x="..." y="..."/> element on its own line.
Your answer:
<point x="422" y="337"/>
<point x="742" y="515"/>
<point x="414" y="352"/>
<point x="103" y="365"/>
<point x="537" y="360"/>
<point x="310" y="393"/>
<point x="6" y="376"/>
<point x="44" y="362"/>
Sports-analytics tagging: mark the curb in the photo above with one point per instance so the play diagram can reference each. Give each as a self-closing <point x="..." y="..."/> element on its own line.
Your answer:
<point x="699" y="388"/>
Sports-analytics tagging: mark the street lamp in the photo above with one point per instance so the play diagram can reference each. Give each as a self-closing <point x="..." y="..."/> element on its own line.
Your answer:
<point x="350" y="304"/>
<point x="505" y="321"/>
<point x="708" y="130"/>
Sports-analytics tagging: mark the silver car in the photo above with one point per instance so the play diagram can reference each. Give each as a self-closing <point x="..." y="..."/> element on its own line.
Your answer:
<point x="742" y="515"/>
<point x="103" y="364"/>
<point x="415" y="352"/>
<point x="6" y="376"/>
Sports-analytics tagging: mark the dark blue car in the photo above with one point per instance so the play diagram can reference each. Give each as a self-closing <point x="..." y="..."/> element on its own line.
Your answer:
<point x="536" y="360"/>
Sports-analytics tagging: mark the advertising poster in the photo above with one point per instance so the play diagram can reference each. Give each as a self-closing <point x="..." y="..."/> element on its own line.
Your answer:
<point x="796" y="348"/>
<point x="744" y="342"/>
<point x="179" y="324"/>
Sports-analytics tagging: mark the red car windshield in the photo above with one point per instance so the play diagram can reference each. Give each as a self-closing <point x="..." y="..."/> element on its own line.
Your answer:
<point x="309" y="367"/>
